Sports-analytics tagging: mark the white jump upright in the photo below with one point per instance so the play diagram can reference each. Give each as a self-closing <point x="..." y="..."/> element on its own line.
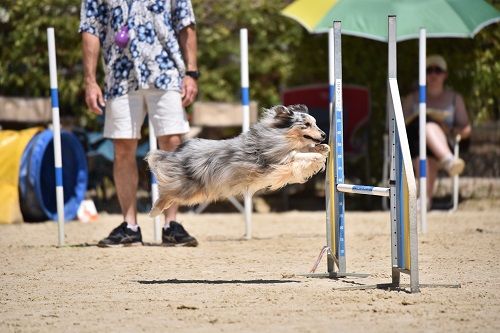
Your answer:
<point x="153" y="145"/>
<point x="403" y="199"/>
<point x="54" y="94"/>
<point x="330" y="210"/>
<point x="245" y="102"/>
<point x="422" y="120"/>
<point x="401" y="190"/>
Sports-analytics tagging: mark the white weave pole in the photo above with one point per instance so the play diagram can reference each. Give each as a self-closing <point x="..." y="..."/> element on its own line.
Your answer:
<point x="154" y="185"/>
<point x="245" y="101"/>
<point x="54" y="94"/>
<point x="422" y="120"/>
<point x="456" y="153"/>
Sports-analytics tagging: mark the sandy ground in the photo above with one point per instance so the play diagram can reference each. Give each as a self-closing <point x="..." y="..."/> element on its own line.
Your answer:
<point x="232" y="285"/>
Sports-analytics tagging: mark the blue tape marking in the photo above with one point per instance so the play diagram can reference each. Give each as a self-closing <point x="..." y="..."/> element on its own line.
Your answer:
<point x="423" y="168"/>
<point x="339" y="153"/>
<point x="421" y="94"/>
<point x="332" y="93"/>
<point x="59" y="176"/>
<point x="400" y="198"/>
<point x="341" y="225"/>
<point x="54" y="97"/>
<point x="245" y="96"/>
<point x="339" y="149"/>
<point x="153" y="179"/>
<point x="364" y="188"/>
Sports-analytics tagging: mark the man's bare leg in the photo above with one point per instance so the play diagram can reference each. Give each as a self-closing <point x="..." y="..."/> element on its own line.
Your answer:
<point x="126" y="177"/>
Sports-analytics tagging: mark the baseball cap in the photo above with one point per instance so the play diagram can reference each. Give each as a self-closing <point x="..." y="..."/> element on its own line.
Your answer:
<point x="438" y="61"/>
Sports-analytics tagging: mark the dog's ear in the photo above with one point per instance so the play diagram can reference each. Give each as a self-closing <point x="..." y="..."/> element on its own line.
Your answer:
<point x="298" y="108"/>
<point x="282" y="116"/>
<point x="281" y="111"/>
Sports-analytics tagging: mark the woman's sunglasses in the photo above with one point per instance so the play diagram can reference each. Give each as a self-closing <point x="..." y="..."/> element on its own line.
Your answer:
<point x="434" y="69"/>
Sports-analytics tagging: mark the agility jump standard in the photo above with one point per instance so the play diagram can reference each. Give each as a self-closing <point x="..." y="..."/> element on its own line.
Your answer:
<point x="402" y="186"/>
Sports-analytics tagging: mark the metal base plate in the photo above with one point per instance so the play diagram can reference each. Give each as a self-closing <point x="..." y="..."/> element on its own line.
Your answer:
<point x="397" y="287"/>
<point x="334" y="275"/>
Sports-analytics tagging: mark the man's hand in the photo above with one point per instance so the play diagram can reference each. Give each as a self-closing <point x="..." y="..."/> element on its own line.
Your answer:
<point x="94" y="98"/>
<point x="93" y="94"/>
<point x="189" y="90"/>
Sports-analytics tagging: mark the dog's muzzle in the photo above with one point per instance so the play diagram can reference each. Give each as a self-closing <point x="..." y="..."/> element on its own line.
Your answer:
<point x="323" y="136"/>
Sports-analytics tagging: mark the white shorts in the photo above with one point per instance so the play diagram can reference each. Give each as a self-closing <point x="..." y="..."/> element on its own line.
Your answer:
<point x="125" y="115"/>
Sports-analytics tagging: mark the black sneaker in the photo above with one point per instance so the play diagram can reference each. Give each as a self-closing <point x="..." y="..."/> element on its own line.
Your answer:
<point x="122" y="236"/>
<point x="176" y="235"/>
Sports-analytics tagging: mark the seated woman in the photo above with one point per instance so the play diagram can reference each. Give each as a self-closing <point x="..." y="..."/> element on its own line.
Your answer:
<point x="446" y="118"/>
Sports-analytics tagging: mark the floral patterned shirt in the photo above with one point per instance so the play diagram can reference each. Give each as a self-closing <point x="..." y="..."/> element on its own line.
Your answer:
<point x="152" y="57"/>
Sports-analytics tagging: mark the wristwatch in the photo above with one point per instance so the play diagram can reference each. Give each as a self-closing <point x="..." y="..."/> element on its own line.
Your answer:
<point x="194" y="74"/>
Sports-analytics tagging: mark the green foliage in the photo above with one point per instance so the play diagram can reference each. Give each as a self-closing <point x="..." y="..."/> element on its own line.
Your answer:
<point x="484" y="97"/>
<point x="272" y="39"/>
<point x="24" y="57"/>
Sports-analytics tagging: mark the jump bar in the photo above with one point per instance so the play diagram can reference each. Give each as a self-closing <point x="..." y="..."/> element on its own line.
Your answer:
<point x="363" y="189"/>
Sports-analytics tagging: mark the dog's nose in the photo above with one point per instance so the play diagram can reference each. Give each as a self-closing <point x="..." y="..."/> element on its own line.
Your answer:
<point x="323" y="136"/>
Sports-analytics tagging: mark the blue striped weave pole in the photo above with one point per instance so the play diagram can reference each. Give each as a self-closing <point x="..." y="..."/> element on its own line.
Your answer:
<point x="57" y="134"/>
<point x="245" y="101"/>
<point x="422" y="123"/>
<point x="153" y="145"/>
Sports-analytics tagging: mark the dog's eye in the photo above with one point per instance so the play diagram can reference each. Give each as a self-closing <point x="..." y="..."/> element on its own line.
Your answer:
<point x="306" y="125"/>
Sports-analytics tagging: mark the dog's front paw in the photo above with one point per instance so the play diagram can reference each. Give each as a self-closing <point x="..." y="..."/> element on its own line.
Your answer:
<point x="323" y="149"/>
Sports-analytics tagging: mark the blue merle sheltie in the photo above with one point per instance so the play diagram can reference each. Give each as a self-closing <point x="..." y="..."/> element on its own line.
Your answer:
<point x="283" y="147"/>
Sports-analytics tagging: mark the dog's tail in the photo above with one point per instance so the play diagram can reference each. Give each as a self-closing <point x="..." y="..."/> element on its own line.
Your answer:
<point x="154" y="159"/>
<point x="156" y="156"/>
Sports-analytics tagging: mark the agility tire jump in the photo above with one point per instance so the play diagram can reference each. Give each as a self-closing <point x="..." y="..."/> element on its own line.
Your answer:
<point x="401" y="189"/>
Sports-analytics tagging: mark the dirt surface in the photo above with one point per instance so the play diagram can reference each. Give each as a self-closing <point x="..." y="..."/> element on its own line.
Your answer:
<point x="228" y="284"/>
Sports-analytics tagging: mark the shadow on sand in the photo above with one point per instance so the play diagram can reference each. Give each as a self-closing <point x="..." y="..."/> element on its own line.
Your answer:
<point x="176" y="281"/>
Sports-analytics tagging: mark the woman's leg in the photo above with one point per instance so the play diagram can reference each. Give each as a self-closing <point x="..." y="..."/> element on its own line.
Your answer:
<point x="437" y="142"/>
<point x="438" y="145"/>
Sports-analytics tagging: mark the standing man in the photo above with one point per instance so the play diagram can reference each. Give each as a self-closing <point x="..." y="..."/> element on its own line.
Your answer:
<point x="149" y="52"/>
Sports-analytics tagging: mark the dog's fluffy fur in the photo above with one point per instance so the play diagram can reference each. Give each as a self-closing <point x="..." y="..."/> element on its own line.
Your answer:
<point x="282" y="148"/>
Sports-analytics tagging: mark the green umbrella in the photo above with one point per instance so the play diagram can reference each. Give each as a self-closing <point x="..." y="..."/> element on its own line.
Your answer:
<point x="368" y="18"/>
